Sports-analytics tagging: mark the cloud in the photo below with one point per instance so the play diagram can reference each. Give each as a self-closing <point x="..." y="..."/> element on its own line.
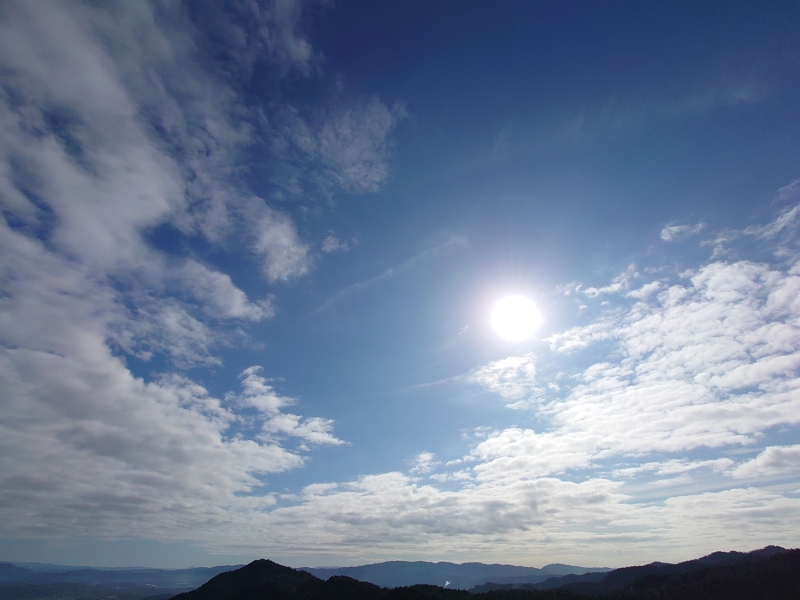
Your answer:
<point x="156" y="462"/>
<point x="789" y="191"/>
<point x="114" y="127"/>
<point x="390" y="511"/>
<point x="787" y="219"/>
<point x="543" y="519"/>
<point x="579" y="338"/>
<point x="345" y="149"/>
<point x="218" y="294"/>
<point x="706" y="362"/>
<point x="284" y="255"/>
<point x="333" y="244"/>
<point x="620" y="283"/>
<point x="423" y="463"/>
<point x="458" y="241"/>
<point x="259" y="394"/>
<point x="637" y="453"/>
<point x="775" y="460"/>
<point x="246" y="32"/>
<point x="313" y="429"/>
<point x="513" y="378"/>
<point x="673" y="233"/>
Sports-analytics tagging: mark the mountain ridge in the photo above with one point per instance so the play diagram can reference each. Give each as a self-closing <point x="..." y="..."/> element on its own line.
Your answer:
<point x="461" y="575"/>
<point x="192" y="577"/>
<point x="594" y="584"/>
<point x="771" y="573"/>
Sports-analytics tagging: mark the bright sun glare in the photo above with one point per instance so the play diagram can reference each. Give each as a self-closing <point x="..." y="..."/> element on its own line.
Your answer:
<point x="516" y="318"/>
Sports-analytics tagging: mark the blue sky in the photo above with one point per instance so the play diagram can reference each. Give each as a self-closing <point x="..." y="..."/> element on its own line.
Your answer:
<point x="250" y="251"/>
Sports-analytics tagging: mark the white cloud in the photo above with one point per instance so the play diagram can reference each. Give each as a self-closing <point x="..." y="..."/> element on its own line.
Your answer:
<point x="709" y="362"/>
<point x="513" y="378"/>
<point x="276" y="239"/>
<point x="314" y="429"/>
<point x="787" y="219"/>
<point x="646" y="290"/>
<point x="775" y="460"/>
<point x="219" y="295"/>
<point x="673" y="233"/>
<point x="155" y="462"/>
<point x="89" y="88"/>
<point x="675" y="466"/>
<point x="620" y="283"/>
<point x="538" y="519"/>
<point x="423" y="463"/>
<point x="578" y="338"/>
<point x="259" y="394"/>
<point x="333" y="244"/>
<point x="113" y="126"/>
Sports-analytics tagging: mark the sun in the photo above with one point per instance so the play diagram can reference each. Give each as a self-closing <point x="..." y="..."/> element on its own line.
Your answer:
<point x="516" y="318"/>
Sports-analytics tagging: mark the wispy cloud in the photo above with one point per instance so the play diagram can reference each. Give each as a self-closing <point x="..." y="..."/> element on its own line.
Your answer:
<point x="620" y="283"/>
<point x="788" y="219"/>
<point x="672" y="233"/>
<point x="344" y="149"/>
<point x="513" y="378"/>
<point x="334" y="244"/>
<point x="457" y="241"/>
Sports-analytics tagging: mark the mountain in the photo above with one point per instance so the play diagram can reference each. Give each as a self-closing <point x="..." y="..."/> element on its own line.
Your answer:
<point x="67" y="583"/>
<point x="177" y="578"/>
<point x="763" y="575"/>
<point x="771" y="572"/>
<point x="9" y="572"/>
<point x="266" y="580"/>
<point x="461" y="576"/>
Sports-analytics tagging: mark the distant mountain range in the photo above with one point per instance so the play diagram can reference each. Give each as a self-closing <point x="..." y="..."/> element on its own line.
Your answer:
<point x="43" y="581"/>
<point x="177" y="578"/>
<point x="461" y="576"/>
<point x="711" y="567"/>
<point x="772" y="573"/>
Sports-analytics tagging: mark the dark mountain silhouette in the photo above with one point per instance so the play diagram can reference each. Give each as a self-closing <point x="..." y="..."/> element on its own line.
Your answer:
<point x="620" y="578"/>
<point x="775" y="577"/>
<point x="771" y="572"/>
<point x="266" y="580"/>
<point x="259" y="579"/>
<point x="464" y="576"/>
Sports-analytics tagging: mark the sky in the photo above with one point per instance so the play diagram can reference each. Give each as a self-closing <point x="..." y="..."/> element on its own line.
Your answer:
<point x="249" y="252"/>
